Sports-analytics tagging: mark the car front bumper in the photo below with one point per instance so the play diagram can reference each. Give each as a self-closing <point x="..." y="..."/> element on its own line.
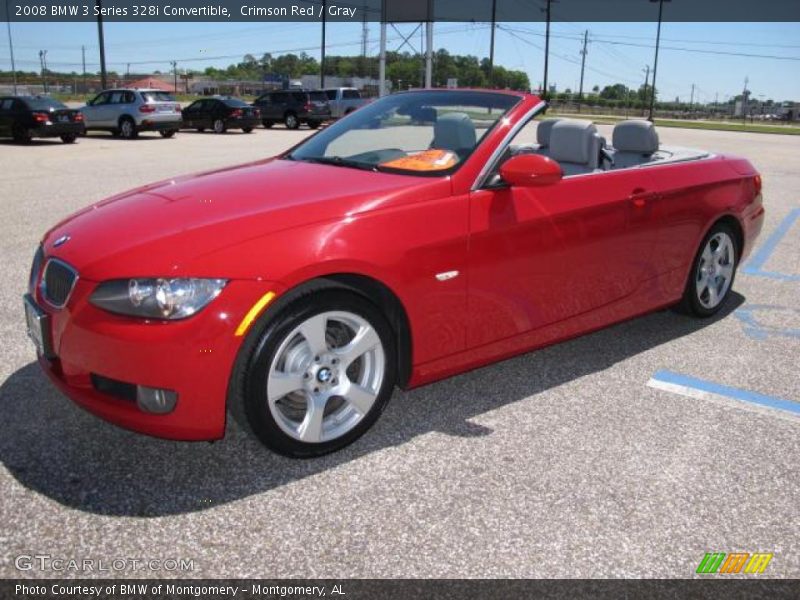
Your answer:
<point x="193" y="357"/>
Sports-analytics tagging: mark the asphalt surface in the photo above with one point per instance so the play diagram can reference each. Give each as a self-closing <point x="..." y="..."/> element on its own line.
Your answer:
<point x="559" y="463"/>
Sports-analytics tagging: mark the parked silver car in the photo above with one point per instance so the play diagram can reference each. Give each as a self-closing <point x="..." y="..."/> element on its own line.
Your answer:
<point x="343" y="101"/>
<point x="126" y="112"/>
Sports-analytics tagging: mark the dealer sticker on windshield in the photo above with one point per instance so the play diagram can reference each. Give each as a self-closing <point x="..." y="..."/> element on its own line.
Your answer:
<point x="428" y="160"/>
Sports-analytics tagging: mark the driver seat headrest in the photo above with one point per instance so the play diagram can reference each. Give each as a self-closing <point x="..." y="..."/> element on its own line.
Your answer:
<point x="455" y="132"/>
<point x="635" y="136"/>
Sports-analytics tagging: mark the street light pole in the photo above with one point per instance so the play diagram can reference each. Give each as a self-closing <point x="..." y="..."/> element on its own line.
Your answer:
<point x="655" y="61"/>
<point x="322" y="55"/>
<point x="11" y="50"/>
<point x="546" y="51"/>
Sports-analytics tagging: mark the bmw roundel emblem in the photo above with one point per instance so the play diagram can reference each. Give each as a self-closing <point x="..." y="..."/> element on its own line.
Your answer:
<point x="61" y="241"/>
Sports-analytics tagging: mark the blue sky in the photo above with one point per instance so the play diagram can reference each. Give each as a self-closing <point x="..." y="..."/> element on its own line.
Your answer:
<point x="618" y="52"/>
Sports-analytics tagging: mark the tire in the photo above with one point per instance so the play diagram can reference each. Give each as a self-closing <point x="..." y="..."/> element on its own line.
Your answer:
<point x="284" y="422"/>
<point x="22" y="135"/>
<point x="201" y="129"/>
<point x="713" y="272"/>
<point x="247" y="129"/>
<point x="69" y="138"/>
<point x="219" y="126"/>
<point x="313" y="124"/>
<point x="267" y="124"/>
<point x="127" y="129"/>
<point x="291" y="121"/>
<point x="168" y="134"/>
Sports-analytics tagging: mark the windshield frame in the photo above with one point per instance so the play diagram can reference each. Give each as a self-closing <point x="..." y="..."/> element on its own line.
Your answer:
<point x="514" y="100"/>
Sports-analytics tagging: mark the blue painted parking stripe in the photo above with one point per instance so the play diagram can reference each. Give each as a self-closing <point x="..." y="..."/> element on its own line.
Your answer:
<point x="690" y="386"/>
<point x="757" y="261"/>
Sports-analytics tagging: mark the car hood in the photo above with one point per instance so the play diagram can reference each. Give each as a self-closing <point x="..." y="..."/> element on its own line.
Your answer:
<point x="160" y="229"/>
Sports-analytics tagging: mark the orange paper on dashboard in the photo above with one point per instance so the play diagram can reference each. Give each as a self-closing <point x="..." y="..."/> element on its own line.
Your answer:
<point x="429" y="160"/>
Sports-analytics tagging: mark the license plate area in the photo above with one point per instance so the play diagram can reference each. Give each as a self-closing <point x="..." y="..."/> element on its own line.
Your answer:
<point x="38" y="325"/>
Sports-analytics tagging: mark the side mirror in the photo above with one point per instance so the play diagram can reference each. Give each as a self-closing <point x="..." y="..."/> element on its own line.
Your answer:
<point x="527" y="170"/>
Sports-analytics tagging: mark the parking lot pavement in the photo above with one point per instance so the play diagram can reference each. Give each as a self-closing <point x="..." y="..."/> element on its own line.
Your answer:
<point x="559" y="463"/>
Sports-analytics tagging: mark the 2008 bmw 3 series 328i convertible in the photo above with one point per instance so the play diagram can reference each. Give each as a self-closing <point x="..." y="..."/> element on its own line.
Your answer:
<point x="417" y="238"/>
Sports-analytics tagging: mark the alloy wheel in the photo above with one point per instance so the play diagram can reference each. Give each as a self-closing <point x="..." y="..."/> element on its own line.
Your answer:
<point x="715" y="270"/>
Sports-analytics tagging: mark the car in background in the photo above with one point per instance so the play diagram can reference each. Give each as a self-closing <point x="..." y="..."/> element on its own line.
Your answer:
<point x="128" y="112"/>
<point x="344" y="100"/>
<point x="293" y="107"/>
<point x="219" y="114"/>
<point x="26" y="117"/>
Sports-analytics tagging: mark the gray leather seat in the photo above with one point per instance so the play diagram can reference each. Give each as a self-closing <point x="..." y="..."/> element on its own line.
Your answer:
<point x="543" y="132"/>
<point x="575" y="145"/>
<point x="634" y="143"/>
<point x="456" y="132"/>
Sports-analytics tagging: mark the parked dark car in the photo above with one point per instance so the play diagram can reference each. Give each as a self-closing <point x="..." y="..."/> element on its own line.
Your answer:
<point x="27" y="117"/>
<point x="293" y="107"/>
<point x="220" y="114"/>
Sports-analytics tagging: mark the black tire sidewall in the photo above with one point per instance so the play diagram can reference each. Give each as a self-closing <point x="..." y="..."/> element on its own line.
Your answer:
<point x="691" y="301"/>
<point x="254" y="395"/>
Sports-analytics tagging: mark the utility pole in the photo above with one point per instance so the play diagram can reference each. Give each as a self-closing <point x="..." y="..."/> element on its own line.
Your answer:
<point x="11" y="50"/>
<point x="43" y="66"/>
<point x="429" y="52"/>
<point x="382" y="59"/>
<point x="83" y="62"/>
<point x="655" y="62"/>
<point x="103" y="79"/>
<point x="744" y="101"/>
<point x="691" y="98"/>
<point x="646" y="80"/>
<point x="545" y="92"/>
<point x="583" y="67"/>
<point x="127" y="72"/>
<point x="364" y="33"/>
<point x="491" y="41"/>
<point x="322" y="47"/>
<point x="175" y="74"/>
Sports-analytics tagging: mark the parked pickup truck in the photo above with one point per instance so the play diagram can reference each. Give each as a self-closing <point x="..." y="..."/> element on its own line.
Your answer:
<point x="344" y="100"/>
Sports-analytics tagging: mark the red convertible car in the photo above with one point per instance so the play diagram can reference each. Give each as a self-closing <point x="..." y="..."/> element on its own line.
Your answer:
<point x="424" y="235"/>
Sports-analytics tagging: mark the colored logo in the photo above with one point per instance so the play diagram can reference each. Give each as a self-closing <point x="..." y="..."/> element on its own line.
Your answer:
<point x="736" y="562"/>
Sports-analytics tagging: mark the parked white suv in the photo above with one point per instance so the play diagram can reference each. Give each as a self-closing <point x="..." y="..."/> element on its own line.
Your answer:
<point x="126" y="112"/>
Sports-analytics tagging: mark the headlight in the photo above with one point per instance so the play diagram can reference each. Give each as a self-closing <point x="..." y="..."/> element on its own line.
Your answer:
<point x="157" y="298"/>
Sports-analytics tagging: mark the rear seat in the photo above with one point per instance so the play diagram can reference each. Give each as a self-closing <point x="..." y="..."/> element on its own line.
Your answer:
<point x="634" y="143"/>
<point x="575" y="145"/>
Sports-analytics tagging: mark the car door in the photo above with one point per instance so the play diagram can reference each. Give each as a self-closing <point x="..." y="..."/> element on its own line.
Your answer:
<point x="95" y="109"/>
<point x="189" y="114"/>
<point x="5" y="116"/>
<point x="541" y="255"/>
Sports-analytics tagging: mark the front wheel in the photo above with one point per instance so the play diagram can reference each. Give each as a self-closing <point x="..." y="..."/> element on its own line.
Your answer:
<point x="267" y="124"/>
<point x="313" y="124"/>
<point x="69" y="138"/>
<point x="247" y="129"/>
<point x="320" y="375"/>
<point x="127" y="128"/>
<point x="22" y="135"/>
<point x="168" y="134"/>
<point x="713" y="271"/>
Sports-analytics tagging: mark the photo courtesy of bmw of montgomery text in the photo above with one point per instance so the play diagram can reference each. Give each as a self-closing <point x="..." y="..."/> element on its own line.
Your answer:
<point x="414" y="239"/>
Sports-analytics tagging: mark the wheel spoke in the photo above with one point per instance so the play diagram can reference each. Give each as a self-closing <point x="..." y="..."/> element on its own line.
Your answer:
<point x="712" y="294"/>
<point x="282" y="384"/>
<point x="726" y="271"/>
<point x="310" y="429"/>
<point x="360" y="398"/>
<point x="313" y="330"/>
<point x="707" y="255"/>
<point x="366" y="339"/>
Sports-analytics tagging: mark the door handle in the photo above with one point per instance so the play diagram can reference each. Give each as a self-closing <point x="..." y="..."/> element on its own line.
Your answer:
<point x="640" y="196"/>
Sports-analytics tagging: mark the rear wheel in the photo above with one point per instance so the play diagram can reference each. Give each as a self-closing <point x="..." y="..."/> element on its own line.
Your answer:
<point x="201" y="129"/>
<point x="219" y="126"/>
<point x="127" y="128"/>
<point x="320" y="375"/>
<point x="69" y="138"/>
<point x="267" y="124"/>
<point x="247" y="129"/>
<point x="713" y="271"/>
<point x="169" y="133"/>
<point x="291" y="121"/>
<point x="313" y="124"/>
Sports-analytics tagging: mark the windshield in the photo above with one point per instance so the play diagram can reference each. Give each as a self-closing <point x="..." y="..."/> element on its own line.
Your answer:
<point x="44" y="104"/>
<point x="413" y="132"/>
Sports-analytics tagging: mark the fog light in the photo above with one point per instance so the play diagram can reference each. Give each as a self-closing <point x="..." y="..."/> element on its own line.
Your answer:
<point x="154" y="400"/>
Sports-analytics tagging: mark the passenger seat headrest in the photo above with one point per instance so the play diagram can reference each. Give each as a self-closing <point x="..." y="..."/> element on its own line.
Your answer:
<point x="543" y="131"/>
<point x="574" y="141"/>
<point x="635" y="136"/>
<point x="454" y="131"/>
